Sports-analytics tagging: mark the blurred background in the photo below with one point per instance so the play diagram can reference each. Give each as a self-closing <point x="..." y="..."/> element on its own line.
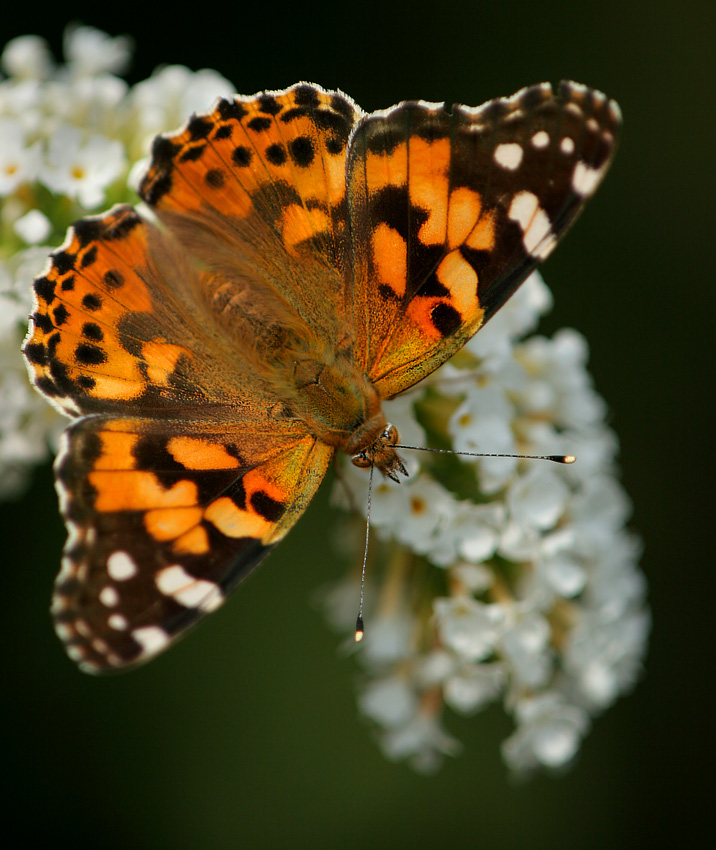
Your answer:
<point x="247" y="733"/>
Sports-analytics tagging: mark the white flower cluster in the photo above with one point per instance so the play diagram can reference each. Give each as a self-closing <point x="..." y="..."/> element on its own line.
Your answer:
<point x="71" y="138"/>
<point x="497" y="578"/>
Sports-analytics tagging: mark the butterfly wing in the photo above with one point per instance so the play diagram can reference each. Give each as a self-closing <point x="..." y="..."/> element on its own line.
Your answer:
<point x="256" y="190"/>
<point x="164" y="519"/>
<point x="181" y="471"/>
<point x="118" y="321"/>
<point x="451" y="211"/>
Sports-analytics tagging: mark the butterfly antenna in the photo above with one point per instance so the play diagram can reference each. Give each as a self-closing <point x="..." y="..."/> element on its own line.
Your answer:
<point x="553" y="458"/>
<point x="359" y="619"/>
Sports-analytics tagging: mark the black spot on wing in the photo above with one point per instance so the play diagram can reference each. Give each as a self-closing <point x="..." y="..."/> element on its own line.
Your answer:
<point x="446" y="319"/>
<point x="60" y="315"/>
<point x="92" y="302"/>
<point x="231" y="110"/>
<point x="199" y="127"/>
<point x="302" y="151"/>
<point x="306" y="95"/>
<point x="215" y="178"/>
<point x="192" y="154"/>
<point x="276" y="154"/>
<point x="267" y="103"/>
<point x="270" y="509"/>
<point x="91" y="330"/>
<point x="89" y="257"/>
<point x="259" y="124"/>
<point x="36" y="353"/>
<point x="241" y="156"/>
<point x="90" y="355"/>
<point x="45" y="289"/>
<point x="113" y="279"/>
<point x="42" y="322"/>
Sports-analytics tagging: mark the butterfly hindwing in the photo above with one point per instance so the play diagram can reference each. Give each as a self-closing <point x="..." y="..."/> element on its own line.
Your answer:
<point x="451" y="211"/>
<point x="164" y="519"/>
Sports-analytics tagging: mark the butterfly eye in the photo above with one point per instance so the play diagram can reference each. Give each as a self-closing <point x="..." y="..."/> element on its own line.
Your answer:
<point x="361" y="460"/>
<point x="390" y="435"/>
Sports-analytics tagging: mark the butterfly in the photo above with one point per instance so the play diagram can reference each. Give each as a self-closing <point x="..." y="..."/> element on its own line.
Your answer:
<point x="300" y="262"/>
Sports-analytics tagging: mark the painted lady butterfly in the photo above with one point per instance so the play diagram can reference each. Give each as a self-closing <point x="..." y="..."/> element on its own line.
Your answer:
<point x="309" y="261"/>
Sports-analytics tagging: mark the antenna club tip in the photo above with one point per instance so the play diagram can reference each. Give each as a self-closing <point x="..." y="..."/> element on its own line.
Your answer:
<point x="569" y="459"/>
<point x="360" y="631"/>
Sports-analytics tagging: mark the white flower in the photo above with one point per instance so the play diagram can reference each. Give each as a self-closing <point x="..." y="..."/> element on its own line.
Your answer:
<point x="390" y="701"/>
<point x="27" y="56"/>
<point x="468" y="627"/>
<point x="33" y="227"/>
<point x="422" y="741"/>
<point x="548" y="735"/>
<point x="526" y="645"/>
<point x="19" y="161"/>
<point x="473" y="686"/>
<point x="164" y="101"/>
<point x="604" y="654"/>
<point x="538" y="498"/>
<point x="389" y="639"/>
<point x="472" y="532"/>
<point x="80" y="168"/>
<point x="91" y="51"/>
<point x="537" y="598"/>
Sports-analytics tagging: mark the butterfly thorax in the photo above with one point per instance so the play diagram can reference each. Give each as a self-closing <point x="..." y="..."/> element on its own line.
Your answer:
<point x="342" y="408"/>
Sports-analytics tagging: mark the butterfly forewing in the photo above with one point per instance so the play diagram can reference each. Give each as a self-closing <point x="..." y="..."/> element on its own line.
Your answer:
<point x="256" y="189"/>
<point x="452" y="210"/>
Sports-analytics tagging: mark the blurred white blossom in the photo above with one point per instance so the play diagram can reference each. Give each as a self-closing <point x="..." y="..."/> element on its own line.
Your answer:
<point x="511" y="580"/>
<point x="82" y="168"/>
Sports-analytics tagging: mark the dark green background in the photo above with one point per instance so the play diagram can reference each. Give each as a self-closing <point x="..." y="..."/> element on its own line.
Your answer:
<point x="246" y="734"/>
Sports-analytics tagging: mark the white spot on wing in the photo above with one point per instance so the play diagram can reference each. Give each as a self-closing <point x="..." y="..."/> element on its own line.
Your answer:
<point x="152" y="639"/>
<point x="187" y="590"/>
<point x="120" y="566"/>
<point x="83" y="628"/>
<point x="540" y="139"/>
<point x="108" y="596"/>
<point x="585" y="179"/>
<point x="76" y="653"/>
<point x="567" y="145"/>
<point x="117" y="622"/>
<point x="509" y="155"/>
<point x="534" y="221"/>
<point x="63" y="632"/>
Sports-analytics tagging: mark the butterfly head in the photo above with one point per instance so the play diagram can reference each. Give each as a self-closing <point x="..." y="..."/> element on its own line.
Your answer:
<point x="381" y="453"/>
